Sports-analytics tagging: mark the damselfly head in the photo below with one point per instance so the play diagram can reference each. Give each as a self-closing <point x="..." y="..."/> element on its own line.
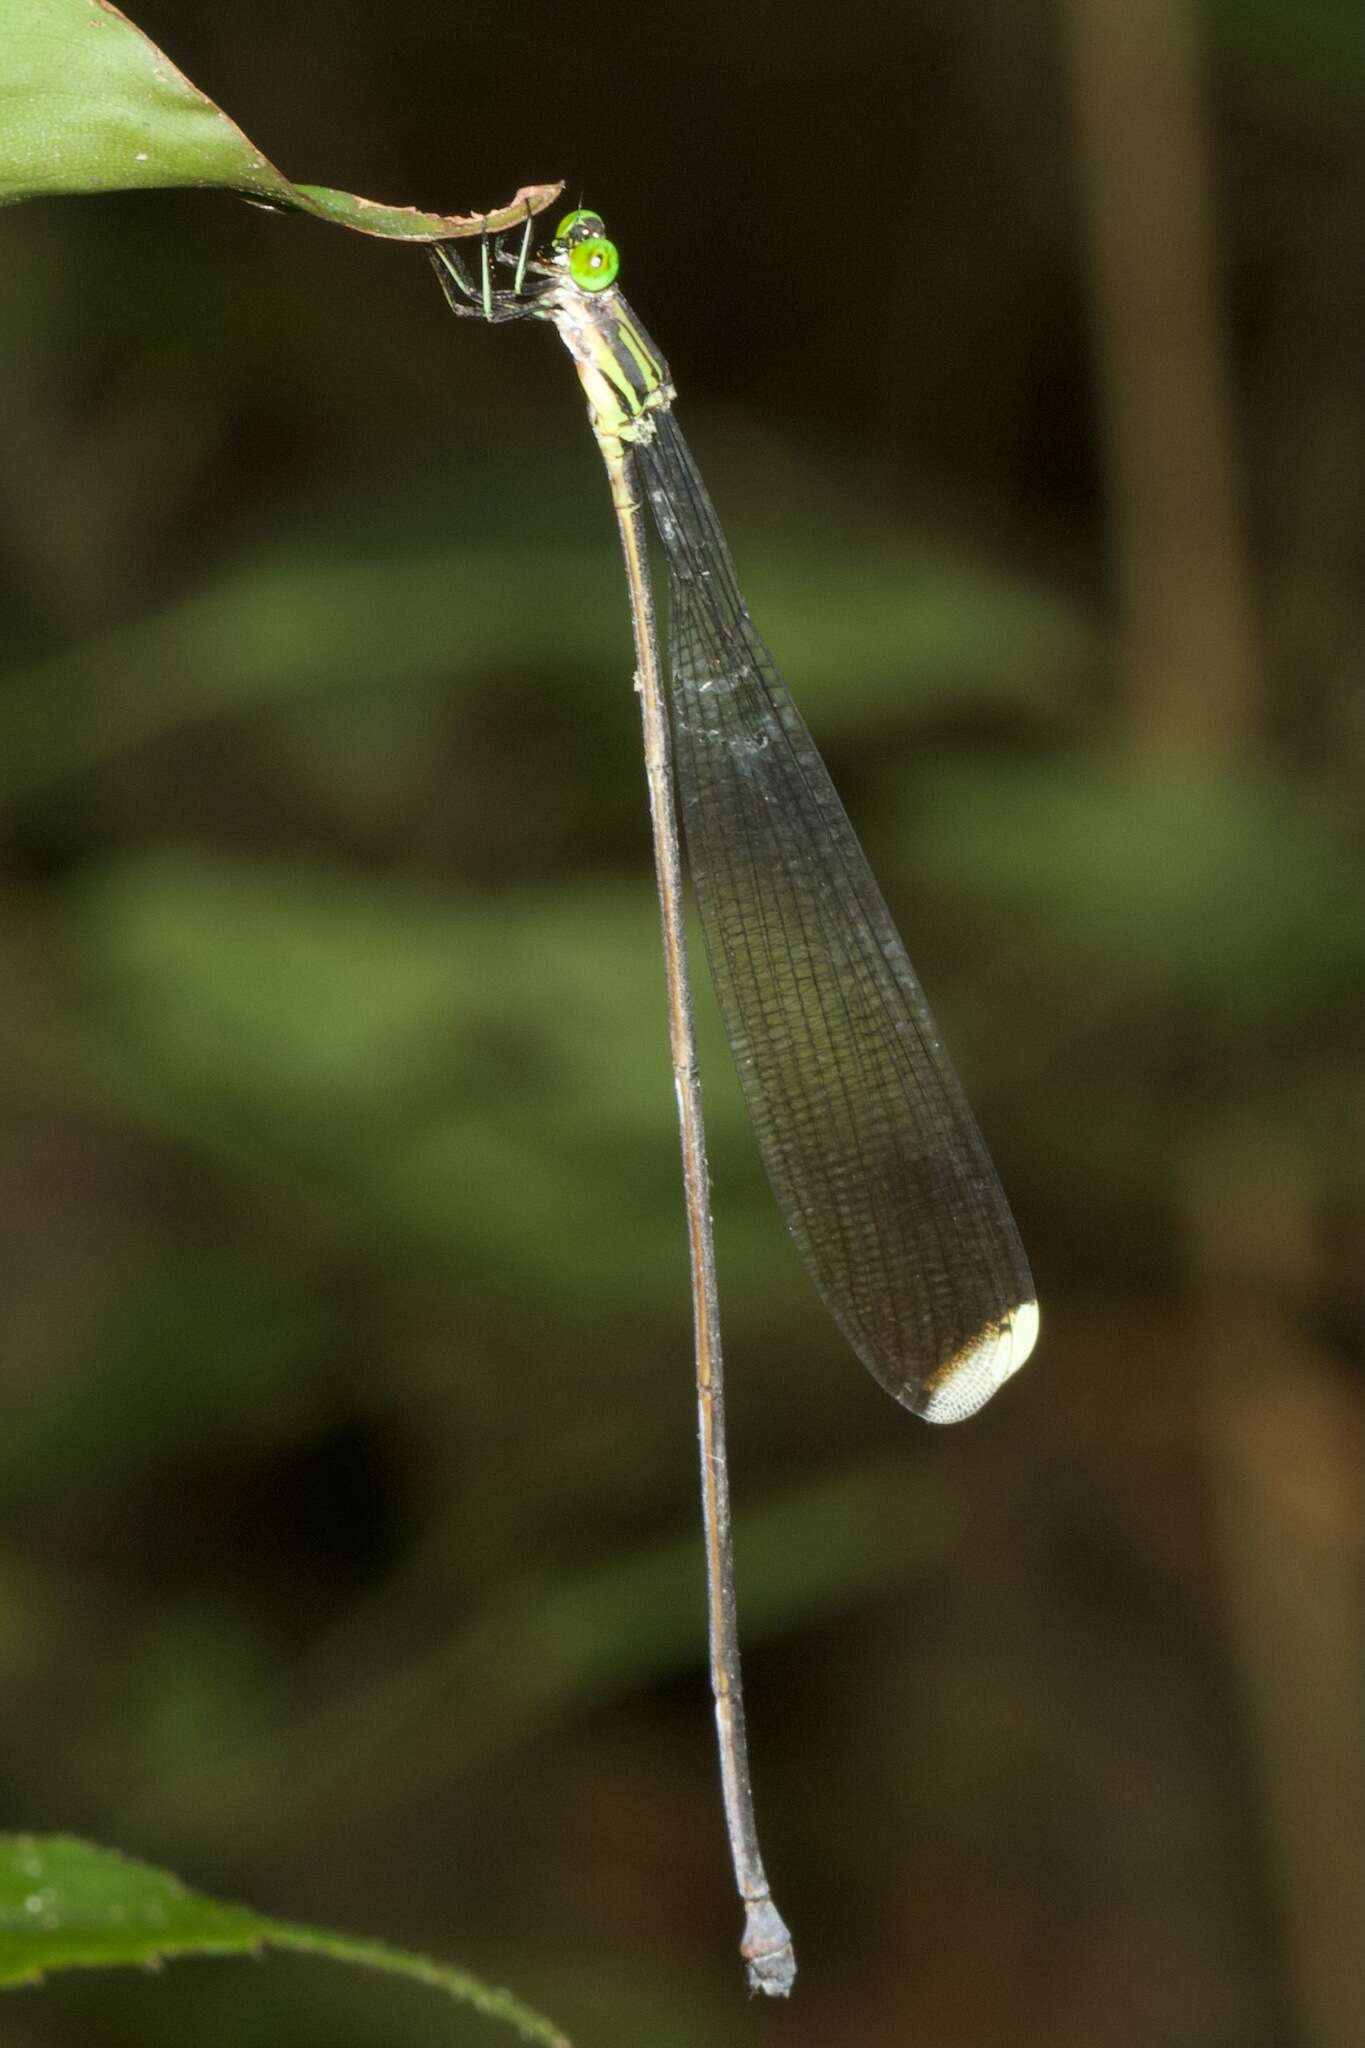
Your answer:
<point x="581" y="247"/>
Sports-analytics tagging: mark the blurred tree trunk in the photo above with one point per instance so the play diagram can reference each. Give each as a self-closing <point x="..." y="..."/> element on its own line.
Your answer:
<point x="1277" y="1437"/>
<point x="1179" y="559"/>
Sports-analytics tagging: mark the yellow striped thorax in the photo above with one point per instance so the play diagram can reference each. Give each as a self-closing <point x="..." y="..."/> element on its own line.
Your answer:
<point x="623" y="375"/>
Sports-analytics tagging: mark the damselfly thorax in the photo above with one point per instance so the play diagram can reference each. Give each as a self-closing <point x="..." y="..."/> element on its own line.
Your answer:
<point x="624" y="377"/>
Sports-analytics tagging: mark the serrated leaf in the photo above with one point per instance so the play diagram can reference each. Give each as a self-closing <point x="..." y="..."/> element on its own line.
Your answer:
<point x="65" y="1903"/>
<point x="88" y="103"/>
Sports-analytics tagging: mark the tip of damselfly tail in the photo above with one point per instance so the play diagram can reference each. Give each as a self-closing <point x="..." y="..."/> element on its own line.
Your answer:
<point x="769" y="1958"/>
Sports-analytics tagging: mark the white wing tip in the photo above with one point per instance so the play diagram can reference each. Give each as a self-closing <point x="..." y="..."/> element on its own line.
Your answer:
<point x="967" y="1382"/>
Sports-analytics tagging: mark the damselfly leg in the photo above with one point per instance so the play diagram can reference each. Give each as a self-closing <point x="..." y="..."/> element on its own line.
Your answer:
<point x="481" y="300"/>
<point x="522" y="255"/>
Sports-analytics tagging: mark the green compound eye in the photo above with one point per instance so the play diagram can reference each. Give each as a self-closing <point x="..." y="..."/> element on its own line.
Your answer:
<point x="593" y="263"/>
<point x="577" y="219"/>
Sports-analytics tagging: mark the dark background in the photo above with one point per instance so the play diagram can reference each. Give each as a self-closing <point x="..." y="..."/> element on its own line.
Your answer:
<point x="348" y="1547"/>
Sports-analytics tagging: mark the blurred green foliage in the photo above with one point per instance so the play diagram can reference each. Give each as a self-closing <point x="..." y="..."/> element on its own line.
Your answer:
<point x="347" y="1549"/>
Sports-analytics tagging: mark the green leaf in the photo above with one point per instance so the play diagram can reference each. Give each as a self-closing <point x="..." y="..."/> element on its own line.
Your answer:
<point x="64" y="1903"/>
<point x="89" y="104"/>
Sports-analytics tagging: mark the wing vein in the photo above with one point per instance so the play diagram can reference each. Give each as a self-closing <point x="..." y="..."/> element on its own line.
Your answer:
<point x="864" y="1130"/>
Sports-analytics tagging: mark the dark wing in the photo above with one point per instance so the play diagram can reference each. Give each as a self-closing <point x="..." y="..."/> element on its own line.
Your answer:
<point x="872" y="1151"/>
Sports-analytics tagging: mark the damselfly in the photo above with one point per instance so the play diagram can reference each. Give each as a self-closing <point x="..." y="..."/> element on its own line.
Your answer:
<point x="874" y="1156"/>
